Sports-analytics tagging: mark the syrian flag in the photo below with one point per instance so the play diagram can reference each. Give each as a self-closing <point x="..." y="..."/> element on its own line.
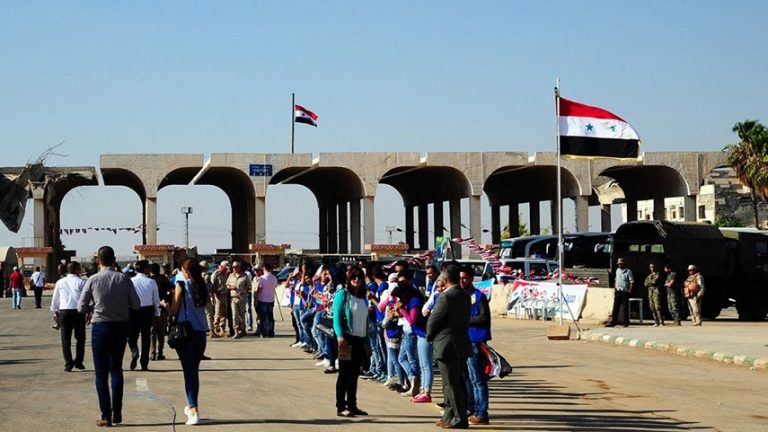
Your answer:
<point x="303" y="115"/>
<point x="591" y="132"/>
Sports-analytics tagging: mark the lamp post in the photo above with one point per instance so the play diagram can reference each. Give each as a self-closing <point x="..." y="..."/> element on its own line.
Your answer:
<point x="186" y="211"/>
<point x="390" y="229"/>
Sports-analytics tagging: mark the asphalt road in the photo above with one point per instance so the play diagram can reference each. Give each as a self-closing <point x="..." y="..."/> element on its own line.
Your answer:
<point x="262" y="384"/>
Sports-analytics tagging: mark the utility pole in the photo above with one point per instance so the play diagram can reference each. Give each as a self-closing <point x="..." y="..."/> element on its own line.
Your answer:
<point x="186" y="211"/>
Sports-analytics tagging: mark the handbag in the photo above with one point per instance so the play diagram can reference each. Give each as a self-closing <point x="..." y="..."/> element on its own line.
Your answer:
<point x="325" y="325"/>
<point x="180" y="331"/>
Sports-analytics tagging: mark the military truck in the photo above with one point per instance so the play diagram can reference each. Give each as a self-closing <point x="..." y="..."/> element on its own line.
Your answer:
<point x="733" y="261"/>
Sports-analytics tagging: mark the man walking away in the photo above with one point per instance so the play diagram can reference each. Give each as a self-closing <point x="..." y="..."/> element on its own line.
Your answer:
<point x="448" y="330"/>
<point x="148" y="313"/>
<point x="672" y="293"/>
<point x="265" y="296"/>
<point x="16" y="283"/>
<point x="624" y="284"/>
<point x="159" y="326"/>
<point x="66" y="294"/>
<point x="37" y="280"/>
<point x="109" y="295"/>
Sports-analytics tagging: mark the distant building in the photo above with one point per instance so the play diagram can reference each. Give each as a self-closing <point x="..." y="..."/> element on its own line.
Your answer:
<point x="722" y="195"/>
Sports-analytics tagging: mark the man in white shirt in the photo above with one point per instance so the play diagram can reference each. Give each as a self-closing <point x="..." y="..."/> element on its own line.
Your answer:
<point x="37" y="280"/>
<point x="64" y="305"/>
<point x="265" y="296"/>
<point x="142" y="319"/>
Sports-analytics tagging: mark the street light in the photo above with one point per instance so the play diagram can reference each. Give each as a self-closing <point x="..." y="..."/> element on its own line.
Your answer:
<point x="186" y="211"/>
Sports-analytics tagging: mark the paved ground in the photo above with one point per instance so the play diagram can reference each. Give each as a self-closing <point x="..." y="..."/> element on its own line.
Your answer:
<point x="255" y="384"/>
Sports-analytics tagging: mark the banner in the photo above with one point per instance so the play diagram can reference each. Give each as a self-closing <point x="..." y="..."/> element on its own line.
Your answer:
<point x="539" y="300"/>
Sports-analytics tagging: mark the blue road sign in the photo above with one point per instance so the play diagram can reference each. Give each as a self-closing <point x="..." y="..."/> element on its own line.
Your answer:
<point x="260" y="170"/>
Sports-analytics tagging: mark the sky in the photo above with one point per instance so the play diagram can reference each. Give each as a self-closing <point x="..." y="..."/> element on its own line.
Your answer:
<point x="217" y="77"/>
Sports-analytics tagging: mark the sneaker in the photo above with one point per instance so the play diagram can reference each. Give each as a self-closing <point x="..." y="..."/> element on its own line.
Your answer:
<point x="661" y="325"/>
<point x="475" y="420"/>
<point x="415" y="386"/>
<point x="324" y="363"/>
<point x="390" y="382"/>
<point x="422" y="398"/>
<point x="193" y="420"/>
<point x="655" y="325"/>
<point x="297" y="345"/>
<point x="331" y="370"/>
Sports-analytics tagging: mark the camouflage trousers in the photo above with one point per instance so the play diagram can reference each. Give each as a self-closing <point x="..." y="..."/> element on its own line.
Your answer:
<point x="674" y="309"/>
<point x="654" y="301"/>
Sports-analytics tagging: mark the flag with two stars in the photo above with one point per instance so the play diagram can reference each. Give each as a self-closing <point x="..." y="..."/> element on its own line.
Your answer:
<point x="303" y="115"/>
<point x="592" y="132"/>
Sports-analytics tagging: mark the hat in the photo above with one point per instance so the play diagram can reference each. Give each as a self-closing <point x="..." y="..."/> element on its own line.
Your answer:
<point x="620" y="261"/>
<point x="392" y="277"/>
<point x="692" y="267"/>
<point x="15" y="268"/>
<point x="235" y="263"/>
<point x="225" y="263"/>
<point x="204" y="264"/>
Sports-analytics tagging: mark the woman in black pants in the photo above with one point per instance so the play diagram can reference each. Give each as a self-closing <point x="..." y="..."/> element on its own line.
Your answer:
<point x="350" y="323"/>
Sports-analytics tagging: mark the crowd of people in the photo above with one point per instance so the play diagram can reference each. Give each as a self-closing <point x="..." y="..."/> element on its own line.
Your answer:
<point x="361" y="322"/>
<point x="358" y="322"/>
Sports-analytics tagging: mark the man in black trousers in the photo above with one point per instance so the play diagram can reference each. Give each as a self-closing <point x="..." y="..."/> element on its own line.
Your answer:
<point x="448" y="330"/>
<point x="66" y="294"/>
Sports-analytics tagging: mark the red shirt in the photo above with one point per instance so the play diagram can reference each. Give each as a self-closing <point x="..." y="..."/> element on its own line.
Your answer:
<point x="17" y="280"/>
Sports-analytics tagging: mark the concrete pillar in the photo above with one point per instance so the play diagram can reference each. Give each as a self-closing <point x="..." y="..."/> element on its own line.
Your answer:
<point x="454" y="207"/>
<point x="514" y="220"/>
<point x="605" y="218"/>
<point x="658" y="208"/>
<point x="323" y="228"/>
<point x="423" y="210"/>
<point x="474" y="218"/>
<point x="150" y="220"/>
<point x="631" y="210"/>
<point x="368" y="221"/>
<point x="689" y="202"/>
<point x="534" y="216"/>
<point x="438" y="218"/>
<point x="38" y="227"/>
<point x="582" y="213"/>
<point x="554" y="209"/>
<point x="343" y="228"/>
<point x="495" y="224"/>
<point x="409" y="227"/>
<point x="333" y="232"/>
<point x="354" y="224"/>
<point x="260" y="213"/>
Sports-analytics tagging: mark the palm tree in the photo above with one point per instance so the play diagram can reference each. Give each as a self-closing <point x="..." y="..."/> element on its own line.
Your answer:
<point x="749" y="158"/>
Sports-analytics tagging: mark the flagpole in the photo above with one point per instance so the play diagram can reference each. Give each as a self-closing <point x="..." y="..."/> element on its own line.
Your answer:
<point x="559" y="206"/>
<point x="293" y="120"/>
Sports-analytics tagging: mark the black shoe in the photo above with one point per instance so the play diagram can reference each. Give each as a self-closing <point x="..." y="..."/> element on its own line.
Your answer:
<point x="205" y="357"/>
<point x="134" y="360"/>
<point x="117" y="418"/>
<point x="345" y="413"/>
<point x="79" y="366"/>
<point x="153" y="357"/>
<point x="358" y="412"/>
<point x="67" y="368"/>
<point x="331" y="370"/>
<point x="160" y="356"/>
<point x="145" y="368"/>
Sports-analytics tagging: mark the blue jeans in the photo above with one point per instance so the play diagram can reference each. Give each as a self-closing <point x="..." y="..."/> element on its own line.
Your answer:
<point x="249" y="310"/>
<point x="299" y="325"/>
<point x="478" y="381"/>
<point x="16" y="301"/>
<point x="307" y="318"/>
<point x="377" y="354"/>
<point x="426" y="355"/>
<point x="393" y="366"/>
<point x="190" y="354"/>
<point x="409" y="357"/>
<point x="265" y="312"/>
<point x="317" y="335"/>
<point x="108" y="340"/>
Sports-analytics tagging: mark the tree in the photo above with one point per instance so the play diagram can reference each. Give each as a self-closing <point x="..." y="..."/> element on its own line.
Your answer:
<point x="749" y="158"/>
<point x="522" y="229"/>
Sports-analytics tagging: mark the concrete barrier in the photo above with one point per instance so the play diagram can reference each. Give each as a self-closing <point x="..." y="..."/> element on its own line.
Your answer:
<point x="598" y="304"/>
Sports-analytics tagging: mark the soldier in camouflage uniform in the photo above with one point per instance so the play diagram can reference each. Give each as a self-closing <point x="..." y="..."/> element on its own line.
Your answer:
<point x="654" y="283"/>
<point x="672" y="294"/>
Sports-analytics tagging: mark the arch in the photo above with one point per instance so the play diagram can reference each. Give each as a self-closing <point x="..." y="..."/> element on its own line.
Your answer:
<point x="518" y="184"/>
<point x="420" y="185"/>
<point x="242" y="198"/>
<point x="644" y="182"/>
<point x="124" y="177"/>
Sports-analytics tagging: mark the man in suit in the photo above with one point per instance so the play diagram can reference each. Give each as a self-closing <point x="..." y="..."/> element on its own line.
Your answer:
<point x="447" y="329"/>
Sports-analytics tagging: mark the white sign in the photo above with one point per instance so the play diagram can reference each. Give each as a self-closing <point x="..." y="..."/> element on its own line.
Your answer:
<point x="539" y="300"/>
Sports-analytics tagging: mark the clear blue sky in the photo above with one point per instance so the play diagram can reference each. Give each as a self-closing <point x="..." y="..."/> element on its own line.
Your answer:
<point x="204" y="77"/>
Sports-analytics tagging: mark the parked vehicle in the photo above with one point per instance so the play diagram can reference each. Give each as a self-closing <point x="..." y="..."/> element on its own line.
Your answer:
<point x="530" y="267"/>
<point x="734" y="262"/>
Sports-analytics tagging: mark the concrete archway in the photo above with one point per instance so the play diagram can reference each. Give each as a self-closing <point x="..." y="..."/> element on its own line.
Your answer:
<point x="651" y="182"/>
